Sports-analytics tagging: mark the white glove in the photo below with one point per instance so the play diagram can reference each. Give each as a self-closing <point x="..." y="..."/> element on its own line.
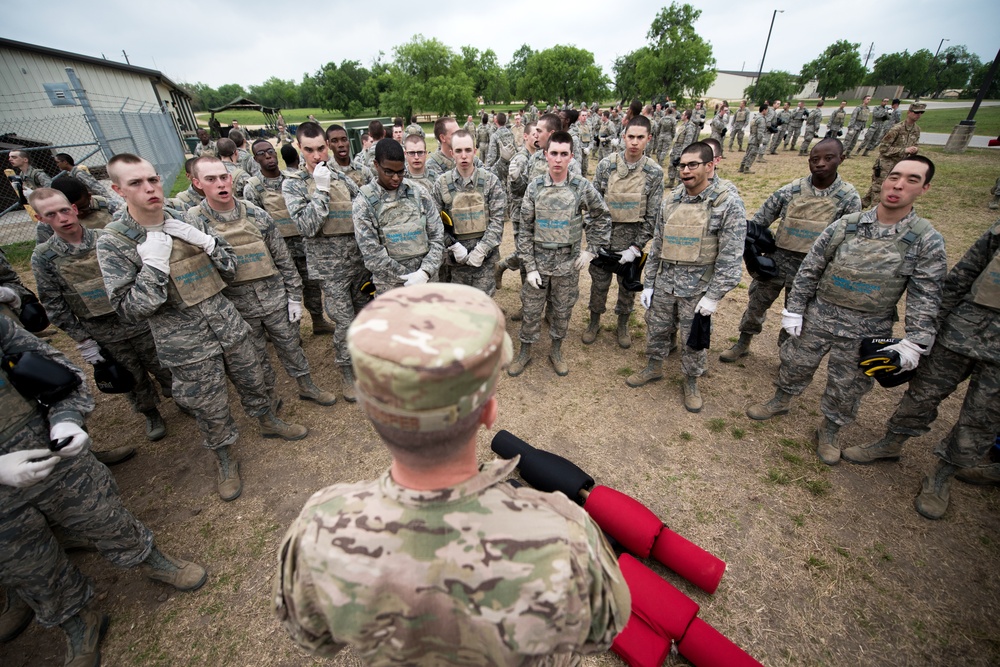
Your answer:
<point x="185" y="232"/>
<point x="155" y="250"/>
<point x="90" y="351"/>
<point x="534" y="278"/>
<point x="791" y="322"/>
<point x="322" y="175"/>
<point x="459" y="252"/>
<point x="506" y="152"/>
<point x="629" y="254"/>
<point x="583" y="260"/>
<point x="706" y="306"/>
<point x="615" y="143"/>
<point x="79" y="443"/>
<point x="476" y="257"/>
<point x="19" y="470"/>
<point x="9" y="296"/>
<point x="418" y="277"/>
<point x="909" y="354"/>
<point x="294" y="311"/>
<point x="646" y="298"/>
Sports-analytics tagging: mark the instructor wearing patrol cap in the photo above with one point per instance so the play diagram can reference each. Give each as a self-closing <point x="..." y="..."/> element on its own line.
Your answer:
<point x="441" y="561"/>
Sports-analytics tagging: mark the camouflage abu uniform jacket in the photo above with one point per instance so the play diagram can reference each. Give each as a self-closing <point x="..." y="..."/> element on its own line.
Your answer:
<point x="481" y="573"/>
<point x="924" y="266"/>
<point x="624" y="234"/>
<point x="496" y="203"/>
<point x="438" y="163"/>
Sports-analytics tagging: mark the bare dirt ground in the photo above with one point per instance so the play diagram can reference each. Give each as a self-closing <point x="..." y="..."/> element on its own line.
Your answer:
<point x="827" y="566"/>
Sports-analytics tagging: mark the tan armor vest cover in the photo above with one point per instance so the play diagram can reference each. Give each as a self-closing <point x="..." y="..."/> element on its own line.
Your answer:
<point x="340" y="211"/>
<point x="467" y="209"/>
<point x="253" y="259"/>
<point x="686" y="239"/>
<point x="806" y="218"/>
<point x="274" y="204"/>
<point x="558" y="223"/>
<point x="624" y="195"/>
<point x="985" y="290"/>
<point x="87" y="296"/>
<point x="402" y="223"/>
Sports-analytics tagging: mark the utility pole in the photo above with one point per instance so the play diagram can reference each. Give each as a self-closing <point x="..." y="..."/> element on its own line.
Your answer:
<point x="962" y="134"/>
<point x="766" y="44"/>
<point x="940" y="44"/>
<point x="126" y="57"/>
<point x="868" y="57"/>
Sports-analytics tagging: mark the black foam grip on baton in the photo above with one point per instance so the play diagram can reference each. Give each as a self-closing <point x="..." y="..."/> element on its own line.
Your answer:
<point x="541" y="469"/>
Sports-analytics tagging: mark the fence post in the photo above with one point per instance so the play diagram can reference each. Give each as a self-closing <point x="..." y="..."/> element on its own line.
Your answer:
<point x="88" y="113"/>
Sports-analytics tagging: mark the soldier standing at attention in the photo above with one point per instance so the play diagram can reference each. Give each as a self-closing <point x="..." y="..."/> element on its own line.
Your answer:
<point x="813" y="121"/>
<point x="443" y="159"/>
<point x="501" y="148"/>
<point x="71" y="289"/>
<point x="719" y="123"/>
<point x="428" y="359"/>
<point x="899" y="142"/>
<point x="366" y="158"/>
<point x="475" y="201"/>
<point x="687" y="134"/>
<point x="756" y="140"/>
<point x="205" y="147"/>
<point x="806" y="206"/>
<point x="159" y="268"/>
<point x="696" y="258"/>
<point x="967" y="346"/>
<point x="784" y="118"/>
<point x="320" y="202"/>
<point x="227" y="153"/>
<point x="189" y="197"/>
<point x="632" y="187"/>
<point x="470" y="125"/>
<point x="847" y="288"/>
<point x="340" y="147"/>
<point x="483" y="136"/>
<point x="798" y="117"/>
<point x="264" y="191"/>
<point x="664" y="142"/>
<point x="881" y="122"/>
<point x="414" y="128"/>
<point x="397" y="224"/>
<point x="607" y="136"/>
<point x="586" y="133"/>
<point x="31" y="177"/>
<point x="740" y="119"/>
<point x="69" y="489"/>
<point x="836" y="125"/>
<point x="267" y="289"/>
<point x="550" y="246"/>
<point x="859" y="119"/>
<point x="517" y="184"/>
<point x="415" y="149"/>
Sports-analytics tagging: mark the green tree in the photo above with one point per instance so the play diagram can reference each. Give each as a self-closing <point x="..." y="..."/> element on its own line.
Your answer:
<point x="977" y="80"/>
<point x="426" y="75"/>
<point x="772" y="86"/>
<point x="952" y="69"/>
<point x="229" y="92"/>
<point x="517" y="66"/>
<point x="276" y="92"/>
<point x="677" y="61"/>
<point x="309" y="95"/>
<point x="489" y="78"/>
<point x="564" y="73"/>
<point x="837" y="69"/>
<point x="909" y="70"/>
<point x="626" y="83"/>
<point x="203" y="96"/>
<point x="340" y="87"/>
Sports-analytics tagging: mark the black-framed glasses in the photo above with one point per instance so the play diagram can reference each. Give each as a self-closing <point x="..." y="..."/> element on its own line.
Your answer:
<point x="416" y="153"/>
<point x="268" y="151"/>
<point x="691" y="166"/>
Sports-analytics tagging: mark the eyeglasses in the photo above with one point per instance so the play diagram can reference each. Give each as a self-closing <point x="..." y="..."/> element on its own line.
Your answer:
<point x="269" y="151"/>
<point x="391" y="172"/>
<point x="691" y="166"/>
<point x="416" y="153"/>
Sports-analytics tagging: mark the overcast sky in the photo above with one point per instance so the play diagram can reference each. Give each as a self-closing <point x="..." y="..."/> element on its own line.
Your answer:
<point x="249" y="41"/>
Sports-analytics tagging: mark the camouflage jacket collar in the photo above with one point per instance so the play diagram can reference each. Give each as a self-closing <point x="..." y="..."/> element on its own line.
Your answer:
<point x="832" y="188"/>
<point x="869" y="226"/>
<point x="489" y="475"/>
<point x="66" y="249"/>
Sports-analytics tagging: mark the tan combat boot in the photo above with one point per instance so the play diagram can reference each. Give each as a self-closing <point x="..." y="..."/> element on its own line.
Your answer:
<point x="593" y="328"/>
<point x="230" y="485"/>
<point x="776" y="406"/>
<point x="692" y="397"/>
<point x="181" y="574"/>
<point x="624" y="337"/>
<point x="520" y="362"/>
<point x="826" y="442"/>
<point x="308" y="391"/>
<point x="555" y="356"/>
<point x="84" y="632"/>
<point x="985" y="475"/>
<point x="350" y="395"/>
<point x="739" y="350"/>
<point x="15" y="616"/>
<point x="653" y="371"/>
<point x="155" y="428"/>
<point x="887" y="449"/>
<point x="272" y="427"/>
<point x="935" y="491"/>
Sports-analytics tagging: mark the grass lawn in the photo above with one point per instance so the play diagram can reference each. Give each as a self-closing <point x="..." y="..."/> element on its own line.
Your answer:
<point x="945" y="120"/>
<point x="292" y="116"/>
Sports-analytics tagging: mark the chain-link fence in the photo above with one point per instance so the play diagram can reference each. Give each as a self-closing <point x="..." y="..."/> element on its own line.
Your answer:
<point x="91" y="128"/>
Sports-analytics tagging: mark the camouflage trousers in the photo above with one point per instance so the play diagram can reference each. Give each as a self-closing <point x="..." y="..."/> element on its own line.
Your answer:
<point x="776" y="139"/>
<point x="874" y="136"/>
<point x="81" y="499"/>
<point x="284" y="335"/>
<point x="672" y="170"/>
<point x="605" y="149"/>
<point x="669" y="314"/>
<point x="560" y="294"/>
<point x="480" y="277"/>
<point x="623" y="235"/>
<point x="722" y="140"/>
<point x="737" y="135"/>
<point x="792" y="136"/>
<point x="312" y="290"/>
<point x="201" y="388"/>
<point x="344" y="300"/>
<point x="584" y="162"/>
<point x="754" y="150"/>
<point x="937" y="377"/>
<point x="807" y="139"/>
<point x="846" y="385"/>
<point x="664" y="148"/>
<point x="138" y="355"/>
<point x="763" y="293"/>
<point x="853" y="134"/>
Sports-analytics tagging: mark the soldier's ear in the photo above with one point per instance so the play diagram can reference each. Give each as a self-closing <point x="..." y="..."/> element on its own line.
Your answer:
<point x="490" y="411"/>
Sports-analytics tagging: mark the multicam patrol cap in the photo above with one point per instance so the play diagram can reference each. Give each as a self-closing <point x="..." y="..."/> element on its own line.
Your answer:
<point x="918" y="106"/>
<point x="428" y="355"/>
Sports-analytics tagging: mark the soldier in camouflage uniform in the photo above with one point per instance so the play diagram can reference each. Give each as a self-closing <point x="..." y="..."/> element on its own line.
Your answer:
<point x="501" y="148"/>
<point x="171" y="273"/>
<point x="967" y="346"/>
<point x="783" y="119"/>
<point x="632" y="187"/>
<point x="813" y="122"/>
<point x="366" y="158"/>
<point x="206" y="147"/>
<point x="474" y="201"/>
<point x="835" y="127"/>
<point x="798" y="117"/>
<point x="267" y="289"/>
<point x="756" y="140"/>
<point x="740" y="119"/>
<point x="687" y="134"/>
<point x="696" y="258"/>
<point x="847" y="288"/>
<point x="470" y="126"/>
<point x="31" y="177"/>
<point x="12" y="291"/>
<point x="586" y="134"/>
<point x="187" y="198"/>
<point x="517" y="184"/>
<point x="264" y="191"/>
<point x="339" y="147"/>
<point x="320" y="202"/>
<point x="80" y="172"/>
<point x="550" y="244"/>
<point x="242" y="157"/>
<point x="568" y="118"/>
<point x="995" y="191"/>
<point x="607" y="136"/>
<point x="859" y="120"/>
<point x="806" y="206"/>
<point x="397" y="225"/>
<point x="483" y="136"/>
<point x="229" y="157"/>
<point x="881" y="122"/>
<point x="428" y="359"/>
<point x="665" y="140"/>
<point x="415" y="149"/>
<point x="719" y="123"/>
<point x="443" y="159"/>
<point x="69" y="490"/>
<point x="93" y="211"/>
<point x="414" y="128"/>
<point x="899" y="142"/>
<point x="72" y="291"/>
